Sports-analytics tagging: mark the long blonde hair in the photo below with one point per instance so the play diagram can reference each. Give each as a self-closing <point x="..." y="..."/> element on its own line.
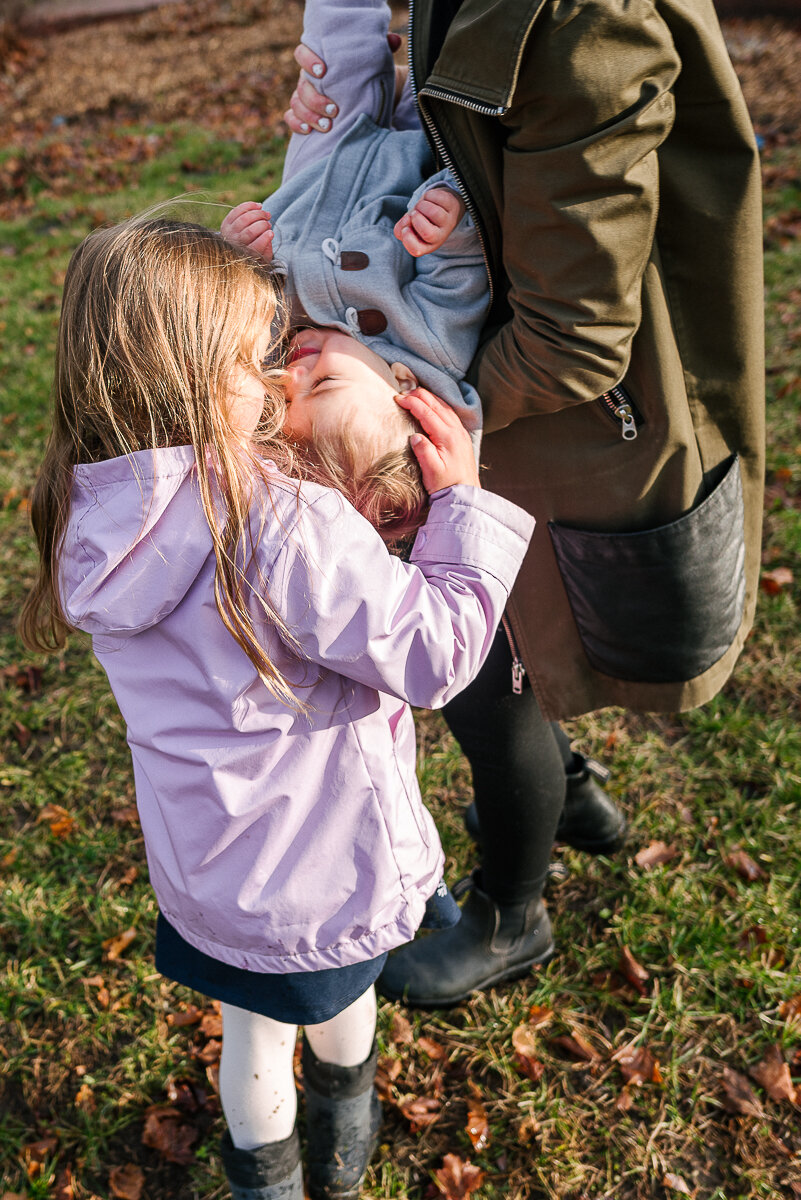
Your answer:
<point x="157" y="317"/>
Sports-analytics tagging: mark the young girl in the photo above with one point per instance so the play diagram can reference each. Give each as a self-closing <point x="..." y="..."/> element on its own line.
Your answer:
<point x="263" y="646"/>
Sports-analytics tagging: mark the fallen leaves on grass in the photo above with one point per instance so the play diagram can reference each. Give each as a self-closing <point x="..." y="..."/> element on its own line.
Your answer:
<point x="675" y="1183"/>
<point x="790" y="1010"/>
<point x="524" y="1041"/>
<point x="166" y="1132"/>
<point x="126" y="1182"/>
<point x="477" y="1127"/>
<point x="576" y="1046"/>
<point x="456" y="1178"/>
<point x="637" y="1065"/>
<point x="116" y="946"/>
<point x="632" y="971"/>
<point x="737" y="860"/>
<point x="654" y="855"/>
<point x="775" y="581"/>
<point x="773" y="1074"/>
<point x="61" y="822"/>
<point x="738" y="1095"/>
<point x="539" y="1014"/>
<point x="36" y="1154"/>
<point x="420" y="1111"/>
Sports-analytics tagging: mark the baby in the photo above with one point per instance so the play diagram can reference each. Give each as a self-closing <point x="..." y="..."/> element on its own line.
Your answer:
<point x="384" y="269"/>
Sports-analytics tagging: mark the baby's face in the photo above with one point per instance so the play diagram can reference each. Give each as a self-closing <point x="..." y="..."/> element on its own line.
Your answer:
<point x="327" y="369"/>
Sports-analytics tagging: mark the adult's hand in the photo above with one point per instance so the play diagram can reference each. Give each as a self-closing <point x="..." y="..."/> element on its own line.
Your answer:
<point x="309" y="109"/>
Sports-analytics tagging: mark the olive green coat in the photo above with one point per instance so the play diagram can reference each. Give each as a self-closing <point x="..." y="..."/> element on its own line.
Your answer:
<point x="608" y="158"/>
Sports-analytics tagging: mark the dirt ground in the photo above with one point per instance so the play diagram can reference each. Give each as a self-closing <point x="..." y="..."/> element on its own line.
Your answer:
<point x="228" y="64"/>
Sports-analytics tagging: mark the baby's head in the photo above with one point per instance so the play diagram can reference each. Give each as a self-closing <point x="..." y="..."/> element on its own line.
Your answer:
<point x="340" y="406"/>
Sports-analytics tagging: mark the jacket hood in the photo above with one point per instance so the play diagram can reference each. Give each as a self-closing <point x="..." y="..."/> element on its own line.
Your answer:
<point x="133" y="546"/>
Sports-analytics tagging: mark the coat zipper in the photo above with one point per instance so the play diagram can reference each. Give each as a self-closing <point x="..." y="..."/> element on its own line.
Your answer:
<point x="518" y="670"/>
<point x="486" y="109"/>
<point x="619" y="406"/>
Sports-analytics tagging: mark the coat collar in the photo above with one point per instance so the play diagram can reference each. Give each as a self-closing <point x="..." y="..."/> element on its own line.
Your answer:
<point x="478" y="53"/>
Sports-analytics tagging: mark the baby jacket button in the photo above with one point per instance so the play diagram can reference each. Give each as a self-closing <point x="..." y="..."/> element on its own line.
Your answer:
<point x="353" y="260"/>
<point x="371" y="321"/>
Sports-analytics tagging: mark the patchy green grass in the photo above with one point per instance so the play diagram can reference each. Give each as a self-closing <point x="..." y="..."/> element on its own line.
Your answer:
<point x="89" y="1038"/>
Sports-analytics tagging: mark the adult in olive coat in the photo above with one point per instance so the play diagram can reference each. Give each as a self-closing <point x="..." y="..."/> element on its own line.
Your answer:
<point x="608" y="158"/>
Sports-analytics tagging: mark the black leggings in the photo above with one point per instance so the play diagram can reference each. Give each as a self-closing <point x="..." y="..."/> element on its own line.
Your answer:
<point x="518" y="761"/>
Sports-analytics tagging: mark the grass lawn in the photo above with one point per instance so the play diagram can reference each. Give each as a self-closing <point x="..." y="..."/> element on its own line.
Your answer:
<point x="657" y="1055"/>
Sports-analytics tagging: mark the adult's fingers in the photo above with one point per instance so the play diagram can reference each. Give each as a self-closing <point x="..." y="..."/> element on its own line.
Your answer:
<point x="307" y="60"/>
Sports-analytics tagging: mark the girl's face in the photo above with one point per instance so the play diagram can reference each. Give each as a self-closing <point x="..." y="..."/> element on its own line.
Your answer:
<point x="246" y="402"/>
<point x="327" y="368"/>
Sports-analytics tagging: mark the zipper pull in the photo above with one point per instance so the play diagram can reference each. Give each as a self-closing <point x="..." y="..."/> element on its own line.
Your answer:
<point x="518" y="671"/>
<point x="628" y="424"/>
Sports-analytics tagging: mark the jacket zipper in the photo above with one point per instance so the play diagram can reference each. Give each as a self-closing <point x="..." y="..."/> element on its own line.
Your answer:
<point x="619" y="406"/>
<point x="486" y="109"/>
<point x="518" y="670"/>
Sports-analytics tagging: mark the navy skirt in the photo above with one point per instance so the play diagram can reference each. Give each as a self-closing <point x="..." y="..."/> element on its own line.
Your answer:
<point x="301" y="998"/>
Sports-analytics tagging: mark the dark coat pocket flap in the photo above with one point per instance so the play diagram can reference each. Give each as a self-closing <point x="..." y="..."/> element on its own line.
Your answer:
<point x="659" y="605"/>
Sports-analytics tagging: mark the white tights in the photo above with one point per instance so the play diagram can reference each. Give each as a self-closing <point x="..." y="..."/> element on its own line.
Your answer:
<point x="257" y="1084"/>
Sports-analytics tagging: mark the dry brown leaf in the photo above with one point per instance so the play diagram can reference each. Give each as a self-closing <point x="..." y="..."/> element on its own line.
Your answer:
<point x="738" y="1095"/>
<point x="457" y="1179"/>
<point x="166" y="1132"/>
<point x="85" y="1099"/>
<point x="126" y="1182"/>
<point x="539" y="1014"/>
<point x="776" y="581"/>
<point x="524" y="1040"/>
<point x="388" y="1071"/>
<point x="625" y="1101"/>
<point x="773" y="1074"/>
<point x="116" y="946"/>
<point x="64" y="1186"/>
<point x="743" y="864"/>
<point x="420" y="1111"/>
<point x="128" y="877"/>
<point x="8" y="860"/>
<point x="477" y="1125"/>
<point x="675" y="1183"/>
<point x="632" y="971"/>
<point x="211" y="1025"/>
<point x="638" y="1065"/>
<point x="187" y="1016"/>
<point x="210" y="1053"/>
<point x="435" y="1050"/>
<point x="790" y="1010"/>
<point x="402" y="1031"/>
<point x="654" y="854"/>
<point x="61" y="821"/>
<point x="35" y="1154"/>
<point x="576" y="1047"/>
<point x="126" y="816"/>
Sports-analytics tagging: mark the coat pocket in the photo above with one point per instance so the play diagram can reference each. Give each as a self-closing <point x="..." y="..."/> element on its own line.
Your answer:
<point x="661" y="605"/>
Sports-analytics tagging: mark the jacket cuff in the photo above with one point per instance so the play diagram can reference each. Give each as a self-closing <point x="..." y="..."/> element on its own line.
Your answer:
<point x="477" y="528"/>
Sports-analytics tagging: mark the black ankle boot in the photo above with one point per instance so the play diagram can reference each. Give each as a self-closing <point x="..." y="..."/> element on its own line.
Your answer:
<point x="270" y="1172"/>
<point x="343" y="1117"/>
<point x="492" y="943"/>
<point x="590" y="820"/>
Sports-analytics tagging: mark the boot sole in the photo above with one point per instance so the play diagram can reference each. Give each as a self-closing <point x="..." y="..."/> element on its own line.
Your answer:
<point x="588" y="846"/>
<point x="515" y="972"/>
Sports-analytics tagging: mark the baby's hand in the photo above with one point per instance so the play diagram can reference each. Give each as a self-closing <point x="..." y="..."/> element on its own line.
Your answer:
<point x="249" y="225"/>
<point x="445" y="454"/>
<point x="431" y="222"/>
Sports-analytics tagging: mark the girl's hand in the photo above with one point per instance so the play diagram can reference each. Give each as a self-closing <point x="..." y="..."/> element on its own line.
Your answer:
<point x="248" y="225"/>
<point x="445" y="453"/>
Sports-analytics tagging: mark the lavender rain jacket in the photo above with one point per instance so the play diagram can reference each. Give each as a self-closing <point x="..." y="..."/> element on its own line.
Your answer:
<point x="278" y="841"/>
